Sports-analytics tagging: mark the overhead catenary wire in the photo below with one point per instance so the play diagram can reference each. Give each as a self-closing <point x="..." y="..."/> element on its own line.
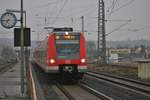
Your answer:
<point x="55" y="4"/>
<point x="82" y="11"/>
<point x="116" y="29"/>
<point x="78" y="12"/>
<point x="112" y="7"/>
<point x="53" y="10"/>
<point x="61" y="9"/>
<point x="85" y="11"/>
<point x="37" y="15"/>
<point x="43" y="5"/>
<point x="122" y="6"/>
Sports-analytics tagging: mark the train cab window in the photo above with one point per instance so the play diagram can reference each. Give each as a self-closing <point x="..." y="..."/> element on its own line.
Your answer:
<point x="67" y="45"/>
<point x="68" y="51"/>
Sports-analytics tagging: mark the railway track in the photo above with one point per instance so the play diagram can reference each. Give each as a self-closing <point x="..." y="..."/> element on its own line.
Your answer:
<point x="134" y="85"/>
<point x="81" y="91"/>
<point x="54" y="90"/>
<point x="65" y="92"/>
<point x="95" y="92"/>
<point x="112" y="89"/>
<point x="125" y="65"/>
<point x="5" y="67"/>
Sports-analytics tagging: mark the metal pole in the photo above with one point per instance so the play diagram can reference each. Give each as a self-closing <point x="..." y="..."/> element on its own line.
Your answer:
<point x="103" y="35"/>
<point x="98" y="40"/>
<point x="26" y="60"/>
<point x="26" y="52"/>
<point x="72" y="21"/>
<point x="22" y="50"/>
<point x="25" y="18"/>
<point x="82" y="23"/>
<point x="101" y="43"/>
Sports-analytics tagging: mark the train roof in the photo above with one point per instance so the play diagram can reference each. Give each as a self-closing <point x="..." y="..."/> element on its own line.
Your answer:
<point x="66" y="32"/>
<point x="63" y="29"/>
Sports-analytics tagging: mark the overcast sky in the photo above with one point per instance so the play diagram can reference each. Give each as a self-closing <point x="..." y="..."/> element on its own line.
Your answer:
<point x="67" y="13"/>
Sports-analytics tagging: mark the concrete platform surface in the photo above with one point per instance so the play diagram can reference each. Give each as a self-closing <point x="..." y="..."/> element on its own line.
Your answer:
<point x="10" y="84"/>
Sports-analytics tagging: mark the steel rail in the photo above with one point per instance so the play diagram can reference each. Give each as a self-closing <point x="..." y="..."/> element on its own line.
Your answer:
<point x="67" y="94"/>
<point x="94" y="92"/>
<point x="4" y="68"/>
<point x="131" y="85"/>
<point x="122" y="78"/>
<point x="38" y="92"/>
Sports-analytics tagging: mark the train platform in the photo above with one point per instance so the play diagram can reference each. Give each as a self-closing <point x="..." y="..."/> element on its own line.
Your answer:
<point x="10" y="84"/>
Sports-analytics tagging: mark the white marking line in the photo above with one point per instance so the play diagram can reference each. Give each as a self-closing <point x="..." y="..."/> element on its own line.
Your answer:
<point x="33" y="86"/>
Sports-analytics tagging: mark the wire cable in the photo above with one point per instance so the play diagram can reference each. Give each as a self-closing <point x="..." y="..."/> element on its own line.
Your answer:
<point x="117" y="9"/>
<point x="112" y="7"/>
<point x="54" y="21"/>
<point x="116" y="29"/>
<point x="43" y="5"/>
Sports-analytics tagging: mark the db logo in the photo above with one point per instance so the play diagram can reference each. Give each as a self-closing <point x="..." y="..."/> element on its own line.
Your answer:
<point x="67" y="61"/>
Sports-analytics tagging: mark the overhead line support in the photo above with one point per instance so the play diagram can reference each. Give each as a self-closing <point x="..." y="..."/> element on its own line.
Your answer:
<point x="101" y="43"/>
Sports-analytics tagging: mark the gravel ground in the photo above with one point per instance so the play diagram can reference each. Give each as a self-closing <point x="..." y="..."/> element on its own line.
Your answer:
<point x="128" y="72"/>
<point x="80" y="93"/>
<point x="113" y="91"/>
<point x="46" y="83"/>
<point x="120" y="71"/>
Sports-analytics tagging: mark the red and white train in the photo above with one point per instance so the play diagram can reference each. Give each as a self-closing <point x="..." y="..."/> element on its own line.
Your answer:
<point x="63" y="51"/>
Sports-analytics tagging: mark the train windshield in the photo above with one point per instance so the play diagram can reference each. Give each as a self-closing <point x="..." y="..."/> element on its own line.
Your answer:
<point x="68" y="49"/>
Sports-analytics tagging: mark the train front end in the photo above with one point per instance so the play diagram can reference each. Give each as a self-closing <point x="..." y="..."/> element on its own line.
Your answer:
<point x="68" y="53"/>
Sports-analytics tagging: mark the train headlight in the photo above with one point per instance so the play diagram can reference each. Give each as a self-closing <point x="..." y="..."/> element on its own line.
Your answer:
<point x="57" y="37"/>
<point x="66" y="33"/>
<point x="82" y="60"/>
<point x="52" y="61"/>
